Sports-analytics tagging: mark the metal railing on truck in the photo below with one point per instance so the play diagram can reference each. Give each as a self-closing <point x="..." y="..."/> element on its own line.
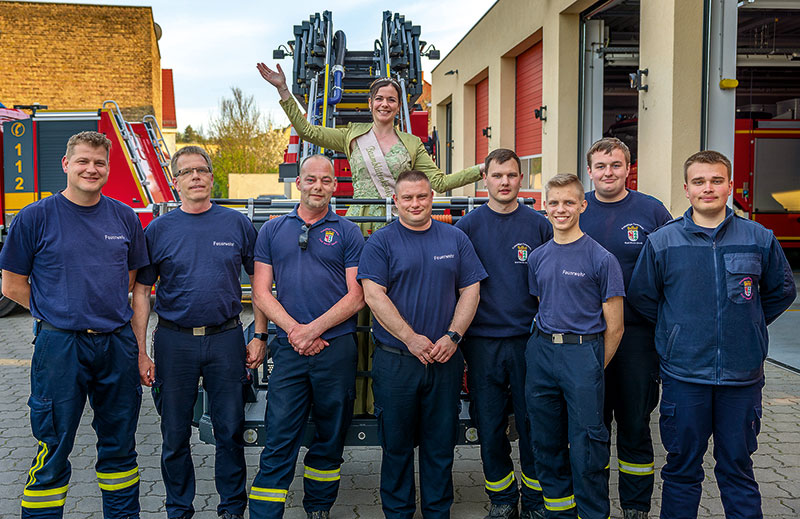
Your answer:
<point x="363" y="428"/>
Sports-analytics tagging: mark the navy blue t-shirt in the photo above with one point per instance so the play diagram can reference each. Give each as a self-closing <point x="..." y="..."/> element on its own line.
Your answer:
<point x="77" y="259"/>
<point x="503" y="242"/>
<point x="622" y="228"/>
<point x="572" y="281"/>
<point x="309" y="282"/>
<point x="197" y="259"/>
<point x="422" y="272"/>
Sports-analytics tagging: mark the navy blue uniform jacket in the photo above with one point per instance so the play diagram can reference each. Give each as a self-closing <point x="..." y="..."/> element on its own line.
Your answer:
<point x="711" y="297"/>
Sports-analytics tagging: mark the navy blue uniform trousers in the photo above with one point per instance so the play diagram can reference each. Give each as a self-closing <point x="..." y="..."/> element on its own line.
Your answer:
<point x="631" y="396"/>
<point x="324" y="385"/>
<point x="65" y="369"/>
<point x="181" y="359"/>
<point x="564" y="394"/>
<point x="496" y="379"/>
<point x="690" y="414"/>
<point x="416" y="404"/>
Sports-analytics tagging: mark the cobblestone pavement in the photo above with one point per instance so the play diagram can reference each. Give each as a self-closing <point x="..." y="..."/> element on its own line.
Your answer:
<point x="777" y="462"/>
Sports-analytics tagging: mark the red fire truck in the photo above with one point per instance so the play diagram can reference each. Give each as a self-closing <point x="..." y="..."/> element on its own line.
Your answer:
<point x="33" y="144"/>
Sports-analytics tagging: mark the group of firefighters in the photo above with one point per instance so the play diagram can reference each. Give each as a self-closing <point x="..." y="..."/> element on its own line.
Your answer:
<point x="571" y="323"/>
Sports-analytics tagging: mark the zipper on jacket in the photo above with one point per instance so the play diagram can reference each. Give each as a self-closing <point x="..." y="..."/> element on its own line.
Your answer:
<point x="718" y="319"/>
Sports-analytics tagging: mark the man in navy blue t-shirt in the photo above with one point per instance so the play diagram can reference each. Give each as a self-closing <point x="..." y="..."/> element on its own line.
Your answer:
<point x="421" y="279"/>
<point x="620" y="220"/>
<point x="196" y="253"/>
<point x="503" y="232"/>
<point x="80" y="252"/>
<point x="577" y="330"/>
<point x="312" y="255"/>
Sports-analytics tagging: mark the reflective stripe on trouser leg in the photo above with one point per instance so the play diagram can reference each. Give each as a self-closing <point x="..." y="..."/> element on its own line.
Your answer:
<point x="533" y="484"/>
<point x="112" y="481"/>
<point x="48" y="498"/>
<point x="497" y="486"/>
<point x="636" y="469"/>
<point x="559" y="504"/>
<point x="321" y="475"/>
<point x="268" y="494"/>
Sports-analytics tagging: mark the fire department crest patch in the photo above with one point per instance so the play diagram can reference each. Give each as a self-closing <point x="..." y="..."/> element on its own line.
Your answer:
<point x="747" y="288"/>
<point x="329" y="236"/>
<point x="523" y="249"/>
<point x="633" y="232"/>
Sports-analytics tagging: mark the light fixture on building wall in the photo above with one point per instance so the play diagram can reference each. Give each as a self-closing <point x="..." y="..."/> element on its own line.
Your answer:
<point x="540" y="113"/>
<point x="487" y="132"/>
<point x="451" y="72"/>
<point x="637" y="79"/>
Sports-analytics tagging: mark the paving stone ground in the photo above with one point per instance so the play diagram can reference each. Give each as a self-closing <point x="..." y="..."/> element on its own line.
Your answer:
<point x="777" y="461"/>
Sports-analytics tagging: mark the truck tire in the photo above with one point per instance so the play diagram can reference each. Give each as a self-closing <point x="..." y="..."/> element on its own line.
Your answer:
<point x="6" y="306"/>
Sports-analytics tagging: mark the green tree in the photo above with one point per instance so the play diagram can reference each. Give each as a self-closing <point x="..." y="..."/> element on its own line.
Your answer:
<point x="189" y="135"/>
<point x="243" y="141"/>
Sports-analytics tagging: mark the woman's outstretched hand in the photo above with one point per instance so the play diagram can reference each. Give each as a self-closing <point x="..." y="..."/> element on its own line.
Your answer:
<point x="275" y="78"/>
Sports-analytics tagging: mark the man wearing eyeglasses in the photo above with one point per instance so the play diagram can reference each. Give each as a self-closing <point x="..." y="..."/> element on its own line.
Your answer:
<point x="312" y="256"/>
<point x="196" y="253"/>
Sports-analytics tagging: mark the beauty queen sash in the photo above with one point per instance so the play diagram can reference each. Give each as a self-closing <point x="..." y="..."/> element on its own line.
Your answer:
<point x="376" y="164"/>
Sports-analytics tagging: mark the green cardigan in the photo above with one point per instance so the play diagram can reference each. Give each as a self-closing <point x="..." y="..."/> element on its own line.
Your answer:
<point x="339" y="139"/>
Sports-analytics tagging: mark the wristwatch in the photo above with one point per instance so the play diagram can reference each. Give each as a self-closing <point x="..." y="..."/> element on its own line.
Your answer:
<point x="260" y="336"/>
<point x="454" y="336"/>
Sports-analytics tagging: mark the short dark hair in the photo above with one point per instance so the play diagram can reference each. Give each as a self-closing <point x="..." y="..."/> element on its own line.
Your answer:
<point x="90" y="138"/>
<point x="382" y="82"/>
<point x="188" y="150"/>
<point x="564" y="180"/>
<point x="500" y="156"/>
<point x="607" y="145"/>
<point x="412" y="175"/>
<point x="706" y="157"/>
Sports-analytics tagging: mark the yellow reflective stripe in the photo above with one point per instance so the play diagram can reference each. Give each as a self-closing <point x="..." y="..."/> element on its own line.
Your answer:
<point x="608" y="466"/>
<point x="562" y="503"/>
<point x="636" y="469"/>
<point x="531" y="483"/>
<point x="118" y="480"/>
<point x="497" y="486"/>
<point x="49" y="498"/>
<point x="321" y="475"/>
<point x="40" y="456"/>
<point x="268" y="494"/>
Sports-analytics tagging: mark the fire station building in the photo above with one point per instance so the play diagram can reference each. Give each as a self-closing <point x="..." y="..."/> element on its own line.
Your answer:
<point x="668" y="77"/>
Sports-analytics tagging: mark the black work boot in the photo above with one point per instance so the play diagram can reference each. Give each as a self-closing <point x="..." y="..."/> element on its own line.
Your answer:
<point x="503" y="511"/>
<point x="532" y="514"/>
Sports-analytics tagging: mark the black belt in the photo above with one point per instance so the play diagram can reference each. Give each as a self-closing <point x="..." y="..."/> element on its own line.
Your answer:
<point x="396" y="351"/>
<point x="200" y="331"/>
<point x="566" y="338"/>
<point x="47" y="326"/>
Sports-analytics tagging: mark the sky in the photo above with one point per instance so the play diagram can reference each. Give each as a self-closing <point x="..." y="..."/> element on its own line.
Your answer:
<point x="213" y="45"/>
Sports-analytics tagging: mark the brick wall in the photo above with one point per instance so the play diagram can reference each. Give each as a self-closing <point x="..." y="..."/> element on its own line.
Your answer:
<point x="71" y="56"/>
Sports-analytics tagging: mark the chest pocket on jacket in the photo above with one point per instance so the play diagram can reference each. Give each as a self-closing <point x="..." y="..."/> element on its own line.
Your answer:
<point x="743" y="270"/>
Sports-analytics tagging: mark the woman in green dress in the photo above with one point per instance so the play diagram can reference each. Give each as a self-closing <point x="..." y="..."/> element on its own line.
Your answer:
<point x="400" y="151"/>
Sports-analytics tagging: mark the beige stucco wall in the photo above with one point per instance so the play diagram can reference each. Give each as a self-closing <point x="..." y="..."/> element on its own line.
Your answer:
<point x="669" y="112"/>
<point x="252" y="185"/>
<point x="489" y="49"/>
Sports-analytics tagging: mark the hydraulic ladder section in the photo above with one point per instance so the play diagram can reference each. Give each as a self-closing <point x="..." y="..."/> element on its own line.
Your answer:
<point x="333" y="82"/>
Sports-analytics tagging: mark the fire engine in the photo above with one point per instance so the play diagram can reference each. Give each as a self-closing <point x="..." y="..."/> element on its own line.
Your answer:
<point x="766" y="181"/>
<point x="33" y="144"/>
